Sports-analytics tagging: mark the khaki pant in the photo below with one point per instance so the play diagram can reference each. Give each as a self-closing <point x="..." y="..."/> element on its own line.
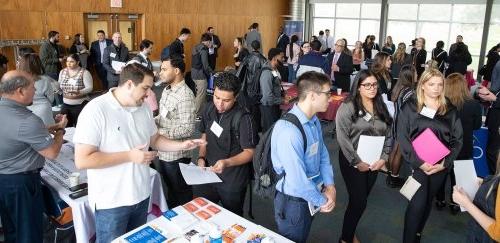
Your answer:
<point x="201" y="95"/>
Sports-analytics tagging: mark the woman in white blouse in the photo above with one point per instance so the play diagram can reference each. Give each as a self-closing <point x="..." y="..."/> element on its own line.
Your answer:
<point x="76" y="83"/>
<point x="44" y="94"/>
<point x="292" y="53"/>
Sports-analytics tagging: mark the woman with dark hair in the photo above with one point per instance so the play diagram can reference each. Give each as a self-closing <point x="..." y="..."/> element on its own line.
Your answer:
<point x="81" y="49"/>
<point x="459" y="59"/>
<point x="439" y="56"/>
<point x="241" y="51"/>
<point x="493" y="57"/>
<point x="428" y="110"/>
<point x="305" y="48"/>
<point x="44" y="94"/>
<point x="402" y="92"/>
<point x="76" y="83"/>
<point x="380" y="68"/>
<point x="389" y="46"/>
<point x="370" y="45"/>
<point x="418" y="56"/>
<point x="363" y="113"/>
<point x="292" y="53"/>
<point x="469" y="111"/>
<point x="346" y="49"/>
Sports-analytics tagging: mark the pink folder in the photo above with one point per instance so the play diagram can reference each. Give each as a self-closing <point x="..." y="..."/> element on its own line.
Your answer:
<point x="429" y="148"/>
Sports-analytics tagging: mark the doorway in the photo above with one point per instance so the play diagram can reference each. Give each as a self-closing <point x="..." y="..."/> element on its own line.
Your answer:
<point x="127" y="24"/>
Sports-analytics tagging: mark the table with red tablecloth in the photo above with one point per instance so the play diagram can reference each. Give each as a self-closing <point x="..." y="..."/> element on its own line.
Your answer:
<point x="291" y="96"/>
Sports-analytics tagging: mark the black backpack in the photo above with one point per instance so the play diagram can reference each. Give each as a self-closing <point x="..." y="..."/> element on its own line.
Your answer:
<point x="265" y="176"/>
<point x="252" y="90"/>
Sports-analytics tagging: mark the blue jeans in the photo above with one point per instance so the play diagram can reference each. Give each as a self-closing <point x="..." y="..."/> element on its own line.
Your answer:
<point x="292" y="217"/>
<point x="291" y="73"/>
<point x="21" y="207"/>
<point x="114" y="222"/>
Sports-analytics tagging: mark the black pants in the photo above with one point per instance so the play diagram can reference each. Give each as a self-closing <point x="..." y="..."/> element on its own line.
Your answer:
<point x="72" y="112"/>
<point x="441" y="194"/>
<point x="359" y="184"/>
<point x="102" y="74"/>
<point x="231" y="199"/>
<point x="419" y="208"/>
<point x="269" y="115"/>
<point x="178" y="191"/>
<point x="212" y="61"/>
<point x="493" y="145"/>
<point x="21" y="207"/>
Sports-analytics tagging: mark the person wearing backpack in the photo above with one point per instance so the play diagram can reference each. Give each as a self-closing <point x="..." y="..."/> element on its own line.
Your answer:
<point x="270" y="88"/>
<point x="439" y="57"/>
<point x="303" y="168"/>
<point x="201" y="71"/>
<point x="232" y="138"/>
<point x="176" y="48"/>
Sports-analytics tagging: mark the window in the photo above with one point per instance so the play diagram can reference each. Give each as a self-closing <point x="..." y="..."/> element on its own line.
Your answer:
<point x="348" y="29"/>
<point x="403" y="11"/>
<point x="322" y="24"/>
<point x="435" y="12"/>
<point x="494" y="32"/>
<point x="324" y="10"/>
<point x="347" y="10"/>
<point x="370" y="10"/>
<point x="401" y="31"/>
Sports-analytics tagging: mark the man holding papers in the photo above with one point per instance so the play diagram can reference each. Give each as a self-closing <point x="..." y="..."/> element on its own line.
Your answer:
<point x="114" y="58"/>
<point x="303" y="172"/>
<point x="111" y="141"/>
<point x="429" y="110"/>
<point x="364" y="136"/>
<point x="231" y="140"/>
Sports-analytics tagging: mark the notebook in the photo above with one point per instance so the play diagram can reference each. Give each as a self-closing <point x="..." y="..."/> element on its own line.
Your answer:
<point x="429" y="148"/>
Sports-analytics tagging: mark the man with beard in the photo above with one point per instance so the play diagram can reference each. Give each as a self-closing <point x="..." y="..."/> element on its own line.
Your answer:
<point x="176" y="121"/>
<point x="50" y="56"/>
<point x="270" y="88"/>
<point x="146" y="48"/>
<point x="24" y="145"/>
<point x="111" y="141"/>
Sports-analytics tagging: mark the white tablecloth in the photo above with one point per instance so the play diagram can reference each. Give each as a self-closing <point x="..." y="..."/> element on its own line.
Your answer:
<point x="56" y="173"/>
<point x="223" y="220"/>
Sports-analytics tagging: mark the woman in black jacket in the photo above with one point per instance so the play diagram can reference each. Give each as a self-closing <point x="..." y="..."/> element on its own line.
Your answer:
<point x="493" y="57"/>
<point x="429" y="109"/>
<point x="380" y="68"/>
<point x="459" y="59"/>
<point x="418" y="56"/>
<point x="440" y="56"/>
<point x="469" y="111"/>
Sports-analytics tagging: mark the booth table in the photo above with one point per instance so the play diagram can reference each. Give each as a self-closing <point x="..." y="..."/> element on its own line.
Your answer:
<point x="55" y="174"/>
<point x="198" y="217"/>
<point x="291" y="96"/>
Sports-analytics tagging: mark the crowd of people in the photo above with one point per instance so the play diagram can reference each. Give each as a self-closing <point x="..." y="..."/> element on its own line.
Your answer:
<point x="121" y="132"/>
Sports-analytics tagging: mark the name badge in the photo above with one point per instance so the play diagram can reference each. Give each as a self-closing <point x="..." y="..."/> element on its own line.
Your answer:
<point x="367" y="116"/>
<point x="313" y="149"/>
<point x="113" y="55"/>
<point x="275" y="73"/>
<point x="428" y="112"/>
<point x="216" y="129"/>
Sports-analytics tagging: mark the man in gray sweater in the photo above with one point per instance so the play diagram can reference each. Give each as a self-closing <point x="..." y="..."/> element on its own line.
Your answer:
<point x="270" y="88"/>
<point x="201" y="71"/>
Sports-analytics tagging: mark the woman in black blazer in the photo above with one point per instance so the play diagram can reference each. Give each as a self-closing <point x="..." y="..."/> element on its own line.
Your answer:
<point x="459" y="59"/>
<point x="469" y="111"/>
<point x="418" y="56"/>
<point x="443" y="119"/>
<point x="380" y="68"/>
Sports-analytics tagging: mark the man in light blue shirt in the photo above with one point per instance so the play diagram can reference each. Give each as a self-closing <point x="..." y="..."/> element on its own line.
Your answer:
<point x="298" y="188"/>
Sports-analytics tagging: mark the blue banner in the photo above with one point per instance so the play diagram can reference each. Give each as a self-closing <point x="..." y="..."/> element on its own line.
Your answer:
<point x="293" y="27"/>
<point x="480" y="139"/>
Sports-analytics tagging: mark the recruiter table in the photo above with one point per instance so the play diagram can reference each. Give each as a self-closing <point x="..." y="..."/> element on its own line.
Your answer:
<point x="56" y="173"/>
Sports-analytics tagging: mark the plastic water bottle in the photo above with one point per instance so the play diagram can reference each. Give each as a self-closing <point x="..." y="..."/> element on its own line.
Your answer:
<point x="215" y="235"/>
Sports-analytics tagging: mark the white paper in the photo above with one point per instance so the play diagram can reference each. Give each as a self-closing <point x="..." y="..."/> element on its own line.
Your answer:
<point x="466" y="177"/>
<point x="389" y="104"/>
<point x="117" y="66"/>
<point x="374" y="53"/>
<point x="370" y="148"/>
<point x="195" y="175"/>
<point x="319" y="184"/>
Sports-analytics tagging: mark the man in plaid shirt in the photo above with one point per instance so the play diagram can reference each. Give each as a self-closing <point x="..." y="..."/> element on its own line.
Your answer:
<point x="176" y="121"/>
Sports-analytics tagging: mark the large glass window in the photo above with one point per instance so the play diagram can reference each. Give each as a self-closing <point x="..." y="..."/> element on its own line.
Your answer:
<point x="352" y="21"/>
<point x="494" y="33"/>
<point x="437" y="22"/>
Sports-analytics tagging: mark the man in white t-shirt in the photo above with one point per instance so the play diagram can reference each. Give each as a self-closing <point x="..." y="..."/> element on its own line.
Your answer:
<point x="111" y="140"/>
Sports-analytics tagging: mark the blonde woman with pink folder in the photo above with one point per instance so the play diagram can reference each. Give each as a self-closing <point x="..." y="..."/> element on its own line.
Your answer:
<point x="429" y="109"/>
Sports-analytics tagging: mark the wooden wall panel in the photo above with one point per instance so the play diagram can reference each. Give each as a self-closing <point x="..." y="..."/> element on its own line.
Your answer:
<point x="162" y="20"/>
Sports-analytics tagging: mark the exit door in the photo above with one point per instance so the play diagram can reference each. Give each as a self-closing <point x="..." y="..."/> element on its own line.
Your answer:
<point x="127" y="24"/>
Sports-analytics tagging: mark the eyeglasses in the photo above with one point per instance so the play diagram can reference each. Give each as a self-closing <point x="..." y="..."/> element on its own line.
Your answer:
<point x="369" y="86"/>
<point x="339" y="45"/>
<point x="327" y="93"/>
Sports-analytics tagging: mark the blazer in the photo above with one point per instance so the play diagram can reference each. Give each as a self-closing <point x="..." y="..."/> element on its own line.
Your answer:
<point x="95" y="51"/>
<point x="343" y="76"/>
<point x="216" y="41"/>
<point x="110" y="55"/>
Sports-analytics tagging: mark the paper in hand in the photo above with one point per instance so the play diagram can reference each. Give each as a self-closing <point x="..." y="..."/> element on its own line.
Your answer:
<point x="195" y="175"/>
<point x="370" y="148"/>
<point x="466" y="177"/>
